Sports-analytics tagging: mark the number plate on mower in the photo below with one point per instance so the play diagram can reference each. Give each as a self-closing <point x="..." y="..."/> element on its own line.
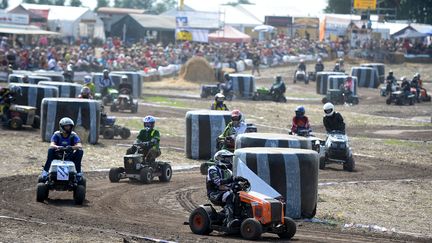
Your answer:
<point x="62" y="173"/>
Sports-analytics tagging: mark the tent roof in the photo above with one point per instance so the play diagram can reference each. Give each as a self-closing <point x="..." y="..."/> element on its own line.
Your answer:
<point x="422" y="28"/>
<point x="59" y="12"/>
<point x="24" y="30"/>
<point x="109" y="10"/>
<point x="410" y="33"/>
<point x="155" y="21"/>
<point x="236" y="16"/>
<point x="229" y="34"/>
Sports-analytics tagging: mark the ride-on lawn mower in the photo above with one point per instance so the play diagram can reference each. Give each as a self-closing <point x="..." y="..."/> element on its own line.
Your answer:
<point x="109" y="98"/>
<point x="124" y="101"/>
<point x="423" y="94"/>
<point x="19" y="115"/>
<point x="300" y="75"/>
<point x="256" y="213"/>
<point x="209" y="90"/>
<point x="109" y="130"/>
<point x="399" y="98"/>
<point x="336" y="150"/>
<point x="337" y="97"/>
<point x="137" y="168"/>
<point x="266" y="94"/>
<point x="62" y="176"/>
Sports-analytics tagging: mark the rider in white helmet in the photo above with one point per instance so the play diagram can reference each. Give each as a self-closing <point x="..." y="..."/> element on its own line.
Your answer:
<point x="65" y="137"/>
<point x="219" y="104"/>
<point x="333" y="121"/>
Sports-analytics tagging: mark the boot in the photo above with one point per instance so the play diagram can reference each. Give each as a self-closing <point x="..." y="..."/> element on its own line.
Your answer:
<point x="229" y="220"/>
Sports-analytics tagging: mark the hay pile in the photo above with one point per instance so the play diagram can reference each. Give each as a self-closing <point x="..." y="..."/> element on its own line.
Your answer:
<point x="197" y="69"/>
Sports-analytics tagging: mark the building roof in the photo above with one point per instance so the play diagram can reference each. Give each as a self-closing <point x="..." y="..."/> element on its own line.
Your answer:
<point x="235" y="16"/>
<point x="24" y="30"/>
<point x="155" y="21"/>
<point x="109" y="10"/>
<point x="58" y="12"/>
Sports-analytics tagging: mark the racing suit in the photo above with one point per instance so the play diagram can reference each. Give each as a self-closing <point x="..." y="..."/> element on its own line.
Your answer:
<point x="148" y="135"/>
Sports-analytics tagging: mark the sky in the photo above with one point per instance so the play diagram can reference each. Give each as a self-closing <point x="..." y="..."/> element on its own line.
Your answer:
<point x="271" y="7"/>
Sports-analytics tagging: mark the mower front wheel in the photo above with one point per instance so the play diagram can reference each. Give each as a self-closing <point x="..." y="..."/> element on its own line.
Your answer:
<point x="166" y="173"/>
<point x="114" y="174"/>
<point x="41" y="192"/>
<point x="199" y="222"/>
<point x="108" y="133"/>
<point x="36" y="122"/>
<point x="349" y="165"/>
<point x="79" y="194"/>
<point x="251" y="229"/>
<point x="125" y="133"/>
<point x="322" y="163"/>
<point x="146" y="175"/>
<point x="15" y="123"/>
<point x="290" y="229"/>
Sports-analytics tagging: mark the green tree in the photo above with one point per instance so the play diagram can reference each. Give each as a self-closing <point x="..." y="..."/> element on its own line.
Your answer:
<point x="163" y="6"/>
<point x="76" y="3"/>
<point x="137" y="4"/>
<point x="102" y="3"/>
<point x="338" y="6"/>
<point x="4" y="4"/>
<point x="419" y="11"/>
<point x="29" y="1"/>
<point x="45" y="2"/>
<point x="59" y="2"/>
<point x="238" y="2"/>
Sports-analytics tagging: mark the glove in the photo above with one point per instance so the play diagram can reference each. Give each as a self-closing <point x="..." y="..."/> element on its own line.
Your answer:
<point x="69" y="149"/>
<point x="240" y="178"/>
<point x="153" y="141"/>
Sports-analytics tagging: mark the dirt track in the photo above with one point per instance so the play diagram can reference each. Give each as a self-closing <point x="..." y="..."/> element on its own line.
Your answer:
<point x="389" y="187"/>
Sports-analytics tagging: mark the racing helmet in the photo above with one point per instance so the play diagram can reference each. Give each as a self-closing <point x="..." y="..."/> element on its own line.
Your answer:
<point x="300" y="111"/>
<point x="149" y="122"/>
<point x="403" y="79"/>
<point x="85" y="92"/>
<point x="87" y="79"/>
<point x="417" y="75"/>
<point x="236" y="115"/>
<point x="105" y="72"/>
<point x="219" y="97"/>
<point x="328" y="109"/>
<point x="390" y="72"/>
<point x="66" y="121"/>
<point x="223" y="158"/>
<point x="14" y="89"/>
<point x="319" y="60"/>
<point x="278" y="78"/>
<point x="226" y="76"/>
<point x="349" y="78"/>
<point x="124" y="78"/>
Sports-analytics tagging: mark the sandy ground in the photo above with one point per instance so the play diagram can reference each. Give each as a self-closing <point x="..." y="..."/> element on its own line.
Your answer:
<point x="391" y="187"/>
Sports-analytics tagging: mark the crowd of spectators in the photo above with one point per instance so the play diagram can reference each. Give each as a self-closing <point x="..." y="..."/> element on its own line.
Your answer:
<point x="140" y="56"/>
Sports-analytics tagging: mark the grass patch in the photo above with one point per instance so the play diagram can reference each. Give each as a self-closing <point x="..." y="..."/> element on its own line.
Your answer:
<point x="165" y="101"/>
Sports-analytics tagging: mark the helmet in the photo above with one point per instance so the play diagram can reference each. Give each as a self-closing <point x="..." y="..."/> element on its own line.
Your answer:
<point x="391" y="72"/>
<point x="105" y="71"/>
<point x="349" y="78"/>
<point x="417" y="75"/>
<point x="85" y="92"/>
<point x="66" y="121"/>
<point x="226" y="76"/>
<point x="403" y="78"/>
<point x="328" y="109"/>
<point x="219" y="97"/>
<point x="149" y="122"/>
<point x="236" y="115"/>
<point x="25" y="78"/>
<point x="87" y="79"/>
<point x="300" y="111"/>
<point x="124" y="77"/>
<point x="15" y="89"/>
<point x="223" y="158"/>
<point x="279" y="78"/>
<point x="319" y="60"/>
<point x="301" y="61"/>
<point x="341" y="60"/>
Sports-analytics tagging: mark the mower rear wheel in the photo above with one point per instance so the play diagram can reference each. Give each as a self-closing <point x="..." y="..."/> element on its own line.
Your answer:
<point x="199" y="222"/>
<point x="36" y="122"/>
<point x="324" y="100"/>
<point x="322" y="163"/>
<point x="41" y="192"/>
<point x="15" y="123"/>
<point x="79" y="194"/>
<point x="114" y="174"/>
<point x="146" y="175"/>
<point x="125" y="133"/>
<point x="113" y="108"/>
<point x="134" y="108"/>
<point x="166" y="173"/>
<point x="290" y="229"/>
<point x="349" y="165"/>
<point x="388" y="101"/>
<point x="251" y="229"/>
<point x="108" y="133"/>
<point x="203" y="168"/>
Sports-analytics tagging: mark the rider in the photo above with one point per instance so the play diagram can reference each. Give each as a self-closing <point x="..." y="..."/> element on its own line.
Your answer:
<point x="105" y="82"/>
<point x="406" y="87"/>
<point x="347" y="88"/>
<point x="341" y="63"/>
<point x="301" y="66"/>
<point x="148" y="134"/>
<point x="300" y="121"/>
<point x="125" y="87"/>
<point x="333" y="121"/>
<point x="235" y="127"/>
<point x="278" y="86"/>
<point x="390" y="77"/>
<point x="89" y="83"/>
<point x="415" y="84"/>
<point x="228" y="85"/>
<point x="7" y="97"/>
<point x="337" y="68"/>
<point x="65" y="137"/>
<point x="85" y="93"/>
<point x="218" y="183"/>
<point x="219" y="104"/>
<point x="391" y="81"/>
<point x="319" y="66"/>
